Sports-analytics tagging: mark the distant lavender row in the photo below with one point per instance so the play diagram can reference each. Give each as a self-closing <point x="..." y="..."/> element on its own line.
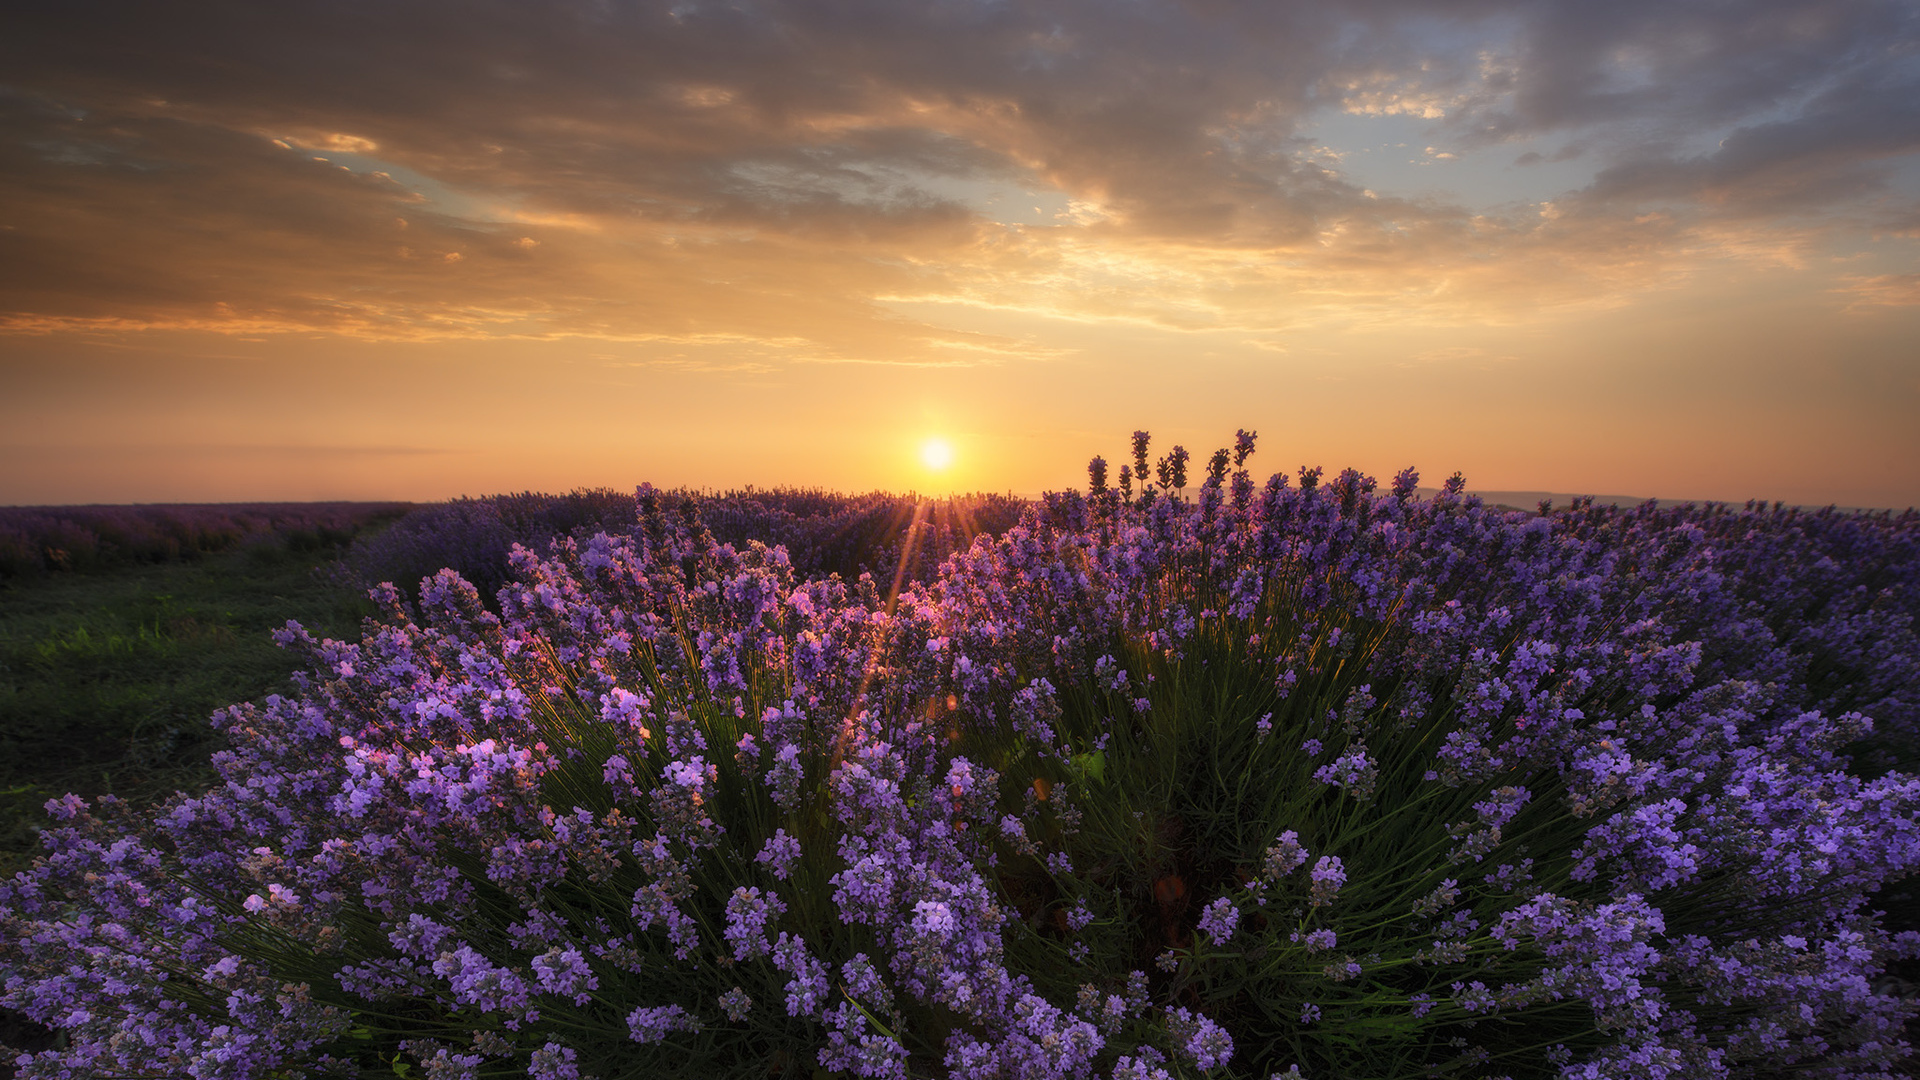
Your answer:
<point x="40" y="539"/>
<point x="875" y="533"/>
<point x="823" y="532"/>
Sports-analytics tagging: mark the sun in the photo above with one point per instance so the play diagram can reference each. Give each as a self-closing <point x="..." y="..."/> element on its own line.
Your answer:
<point x="936" y="454"/>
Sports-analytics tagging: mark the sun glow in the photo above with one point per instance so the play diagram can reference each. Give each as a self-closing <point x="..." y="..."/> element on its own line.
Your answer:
<point x="936" y="454"/>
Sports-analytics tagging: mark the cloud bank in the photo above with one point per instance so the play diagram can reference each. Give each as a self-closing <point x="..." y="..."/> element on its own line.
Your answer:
<point x="789" y="174"/>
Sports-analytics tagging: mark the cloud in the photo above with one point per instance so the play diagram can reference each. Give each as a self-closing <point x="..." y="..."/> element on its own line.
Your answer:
<point x="766" y="172"/>
<point x="352" y="144"/>
<point x="1831" y="153"/>
<point x="1882" y="290"/>
<point x="1645" y="70"/>
<point x="1565" y="153"/>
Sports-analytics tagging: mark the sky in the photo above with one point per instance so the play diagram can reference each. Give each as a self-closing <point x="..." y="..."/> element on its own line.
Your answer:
<point x="406" y="249"/>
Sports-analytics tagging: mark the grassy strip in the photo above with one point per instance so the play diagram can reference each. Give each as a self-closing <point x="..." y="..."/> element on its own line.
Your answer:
<point x="107" y="679"/>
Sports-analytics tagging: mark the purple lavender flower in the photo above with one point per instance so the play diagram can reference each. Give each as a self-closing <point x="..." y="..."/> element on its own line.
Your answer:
<point x="1128" y="1067"/>
<point x="1322" y="940"/>
<point x="807" y="985"/>
<point x="1219" y="920"/>
<point x="654" y="1024"/>
<point x="565" y="971"/>
<point x="1443" y="896"/>
<point x="1204" y="1042"/>
<point x="1341" y="969"/>
<point x="478" y="983"/>
<point x="749" y="913"/>
<point x="1141" y="441"/>
<point x="1354" y="770"/>
<point x="554" y="1062"/>
<point x="736" y="1004"/>
<point x="1284" y="857"/>
<point x="783" y="779"/>
<point x="779" y="854"/>
<point x="1243" y="446"/>
<point x="1328" y="876"/>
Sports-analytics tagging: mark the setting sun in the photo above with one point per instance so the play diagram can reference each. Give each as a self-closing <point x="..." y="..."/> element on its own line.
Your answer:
<point x="936" y="454"/>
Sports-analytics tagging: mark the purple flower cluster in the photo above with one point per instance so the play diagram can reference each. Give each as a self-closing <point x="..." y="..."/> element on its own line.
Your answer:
<point x="1593" y="783"/>
<point x="1354" y="770"/>
<point x="1328" y="875"/>
<point x="1219" y="920"/>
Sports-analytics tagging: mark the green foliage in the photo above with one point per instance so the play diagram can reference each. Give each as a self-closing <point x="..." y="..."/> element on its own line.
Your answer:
<point x="107" y="679"/>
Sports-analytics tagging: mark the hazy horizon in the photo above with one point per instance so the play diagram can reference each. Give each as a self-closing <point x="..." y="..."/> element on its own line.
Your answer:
<point x="418" y="249"/>
<point x="1519" y="500"/>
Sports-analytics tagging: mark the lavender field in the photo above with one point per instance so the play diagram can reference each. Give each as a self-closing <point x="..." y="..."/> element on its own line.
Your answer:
<point x="1308" y="777"/>
<point x="36" y="540"/>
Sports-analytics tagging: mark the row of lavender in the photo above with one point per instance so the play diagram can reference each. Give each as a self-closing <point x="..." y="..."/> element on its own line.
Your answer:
<point x="822" y="532"/>
<point x="1308" y="780"/>
<point x="40" y="539"/>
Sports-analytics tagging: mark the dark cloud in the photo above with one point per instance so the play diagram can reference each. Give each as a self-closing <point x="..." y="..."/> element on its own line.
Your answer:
<point x="1836" y="149"/>
<point x="1565" y="153"/>
<point x="1660" y="69"/>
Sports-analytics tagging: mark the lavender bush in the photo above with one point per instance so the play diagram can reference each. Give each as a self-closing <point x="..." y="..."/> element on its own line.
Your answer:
<point x="1309" y="780"/>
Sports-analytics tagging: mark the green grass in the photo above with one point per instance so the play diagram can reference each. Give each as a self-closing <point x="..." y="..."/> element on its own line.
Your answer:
<point x="107" y="679"/>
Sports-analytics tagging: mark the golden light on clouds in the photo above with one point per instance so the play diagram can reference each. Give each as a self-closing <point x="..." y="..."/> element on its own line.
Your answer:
<point x="716" y="246"/>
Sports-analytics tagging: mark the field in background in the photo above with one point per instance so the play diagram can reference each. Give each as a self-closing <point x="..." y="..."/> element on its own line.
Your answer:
<point x="38" y="540"/>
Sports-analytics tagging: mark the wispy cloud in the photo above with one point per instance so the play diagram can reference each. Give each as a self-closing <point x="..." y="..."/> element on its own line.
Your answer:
<point x="1882" y="290"/>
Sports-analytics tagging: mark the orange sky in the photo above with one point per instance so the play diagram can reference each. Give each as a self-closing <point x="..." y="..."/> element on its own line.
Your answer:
<point x="412" y="250"/>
